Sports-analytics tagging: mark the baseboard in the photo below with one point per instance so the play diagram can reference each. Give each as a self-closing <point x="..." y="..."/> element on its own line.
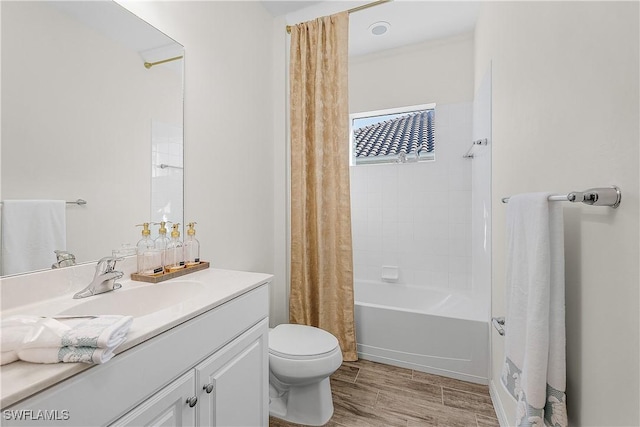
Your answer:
<point x="497" y="404"/>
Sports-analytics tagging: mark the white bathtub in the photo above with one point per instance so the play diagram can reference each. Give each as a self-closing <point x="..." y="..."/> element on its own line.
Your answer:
<point x="423" y="329"/>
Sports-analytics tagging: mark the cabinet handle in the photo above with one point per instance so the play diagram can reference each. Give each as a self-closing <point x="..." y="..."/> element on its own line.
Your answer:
<point x="208" y="388"/>
<point x="192" y="401"/>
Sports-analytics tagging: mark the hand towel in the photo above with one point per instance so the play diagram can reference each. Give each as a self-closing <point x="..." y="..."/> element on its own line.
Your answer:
<point x="8" y="357"/>
<point x="49" y="340"/>
<point x="66" y="354"/>
<point x="31" y="231"/>
<point x="534" y="371"/>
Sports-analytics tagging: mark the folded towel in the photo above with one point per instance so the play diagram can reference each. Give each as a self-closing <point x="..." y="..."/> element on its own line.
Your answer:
<point x="66" y="354"/>
<point x="22" y="331"/>
<point x="20" y="334"/>
<point x="8" y="357"/>
<point x="534" y="372"/>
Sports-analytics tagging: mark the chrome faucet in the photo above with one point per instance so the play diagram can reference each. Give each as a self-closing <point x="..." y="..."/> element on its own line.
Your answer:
<point x="104" y="279"/>
<point x="63" y="259"/>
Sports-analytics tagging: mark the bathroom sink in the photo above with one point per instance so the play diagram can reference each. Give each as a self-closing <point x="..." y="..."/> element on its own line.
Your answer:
<point x="137" y="301"/>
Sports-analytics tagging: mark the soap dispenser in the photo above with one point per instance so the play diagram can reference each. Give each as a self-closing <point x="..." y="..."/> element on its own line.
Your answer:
<point x="162" y="242"/>
<point x="175" y="255"/>
<point x="149" y="259"/>
<point x="191" y="247"/>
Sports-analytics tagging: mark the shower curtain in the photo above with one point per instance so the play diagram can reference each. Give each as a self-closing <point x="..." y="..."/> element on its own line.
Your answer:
<point x="321" y="254"/>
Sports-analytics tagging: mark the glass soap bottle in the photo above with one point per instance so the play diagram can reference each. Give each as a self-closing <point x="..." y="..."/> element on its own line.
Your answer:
<point x="191" y="246"/>
<point x="175" y="255"/>
<point x="162" y="242"/>
<point x="148" y="258"/>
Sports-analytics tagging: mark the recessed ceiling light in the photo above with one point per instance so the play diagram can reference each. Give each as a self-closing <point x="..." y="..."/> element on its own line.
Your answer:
<point x="379" y="28"/>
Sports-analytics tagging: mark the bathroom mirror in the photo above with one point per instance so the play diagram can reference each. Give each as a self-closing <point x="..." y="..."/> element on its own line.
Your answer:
<point x="83" y="118"/>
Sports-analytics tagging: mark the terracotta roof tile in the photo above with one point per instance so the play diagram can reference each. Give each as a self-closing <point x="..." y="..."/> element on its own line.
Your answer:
<point x="410" y="133"/>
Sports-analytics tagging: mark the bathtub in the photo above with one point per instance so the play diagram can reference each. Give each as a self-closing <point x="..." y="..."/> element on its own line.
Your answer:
<point x="424" y="329"/>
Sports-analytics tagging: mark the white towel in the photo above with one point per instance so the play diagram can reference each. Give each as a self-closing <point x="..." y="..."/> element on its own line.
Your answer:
<point x="31" y="231"/>
<point x="8" y="357"/>
<point x="66" y="354"/>
<point x="534" y="372"/>
<point x="48" y="340"/>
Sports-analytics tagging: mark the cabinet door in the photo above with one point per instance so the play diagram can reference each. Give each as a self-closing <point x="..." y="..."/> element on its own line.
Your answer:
<point x="233" y="383"/>
<point x="168" y="407"/>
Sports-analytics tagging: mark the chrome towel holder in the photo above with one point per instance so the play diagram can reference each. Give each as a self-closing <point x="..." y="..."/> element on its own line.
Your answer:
<point x="601" y="196"/>
<point x="79" y="202"/>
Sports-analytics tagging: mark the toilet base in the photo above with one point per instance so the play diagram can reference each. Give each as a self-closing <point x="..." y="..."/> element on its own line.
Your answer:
<point x="310" y="404"/>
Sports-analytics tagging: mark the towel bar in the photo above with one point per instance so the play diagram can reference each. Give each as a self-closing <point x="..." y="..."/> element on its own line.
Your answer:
<point x="603" y="196"/>
<point x="75" y="202"/>
<point x="498" y="323"/>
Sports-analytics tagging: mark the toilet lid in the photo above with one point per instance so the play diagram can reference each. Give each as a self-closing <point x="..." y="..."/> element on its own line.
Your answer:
<point x="295" y="341"/>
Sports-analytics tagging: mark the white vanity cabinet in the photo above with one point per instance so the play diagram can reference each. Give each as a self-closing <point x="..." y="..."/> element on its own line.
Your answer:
<point x="219" y="357"/>
<point x="227" y="389"/>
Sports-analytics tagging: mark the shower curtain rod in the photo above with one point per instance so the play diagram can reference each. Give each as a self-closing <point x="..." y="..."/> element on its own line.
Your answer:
<point x="148" y="65"/>
<point x="355" y="9"/>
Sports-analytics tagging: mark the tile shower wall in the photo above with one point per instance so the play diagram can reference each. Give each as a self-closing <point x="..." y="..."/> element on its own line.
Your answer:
<point x="417" y="216"/>
<point x="166" y="182"/>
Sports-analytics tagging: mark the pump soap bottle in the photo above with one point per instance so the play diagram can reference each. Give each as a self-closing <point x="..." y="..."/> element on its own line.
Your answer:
<point x="162" y="242"/>
<point x="191" y="247"/>
<point x="175" y="255"/>
<point x="149" y="259"/>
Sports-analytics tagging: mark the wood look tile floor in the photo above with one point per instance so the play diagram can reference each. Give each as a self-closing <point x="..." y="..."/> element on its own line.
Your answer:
<point x="369" y="394"/>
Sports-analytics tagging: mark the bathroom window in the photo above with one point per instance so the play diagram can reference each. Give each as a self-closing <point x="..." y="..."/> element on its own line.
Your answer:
<point x="396" y="135"/>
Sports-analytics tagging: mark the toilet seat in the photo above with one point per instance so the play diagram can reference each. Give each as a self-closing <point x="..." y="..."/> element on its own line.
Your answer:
<point x="301" y="342"/>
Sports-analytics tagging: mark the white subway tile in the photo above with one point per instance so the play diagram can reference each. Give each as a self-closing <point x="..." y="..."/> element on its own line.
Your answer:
<point x="460" y="231"/>
<point x="459" y="264"/>
<point x="374" y="214"/>
<point x="389" y="257"/>
<point x="460" y="247"/>
<point x="374" y="200"/>
<point x="373" y="258"/>
<point x="390" y="212"/>
<point x="390" y="244"/>
<point x="460" y="281"/>
<point x="406" y="215"/>
<point x="374" y="181"/>
<point x="359" y="257"/>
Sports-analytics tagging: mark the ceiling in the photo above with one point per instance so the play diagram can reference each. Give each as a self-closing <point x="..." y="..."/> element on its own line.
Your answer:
<point x="280" y="8"/>
<point x="114" y="21"/>
<point x="409" y="21"/>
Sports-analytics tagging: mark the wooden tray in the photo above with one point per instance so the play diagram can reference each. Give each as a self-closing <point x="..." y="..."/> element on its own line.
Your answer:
<point x="166" y="276"/>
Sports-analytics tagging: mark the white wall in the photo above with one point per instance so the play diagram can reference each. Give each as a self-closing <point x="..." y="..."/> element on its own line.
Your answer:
<point x="228" y="146"/>
<point x="565" y="117"/>
<point x="417" y="216"/>
<point x="439" y="71"/>
<point x="279" y="312"/>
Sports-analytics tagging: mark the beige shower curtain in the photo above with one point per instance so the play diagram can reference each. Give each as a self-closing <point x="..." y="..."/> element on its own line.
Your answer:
<point x="321" y="255"/>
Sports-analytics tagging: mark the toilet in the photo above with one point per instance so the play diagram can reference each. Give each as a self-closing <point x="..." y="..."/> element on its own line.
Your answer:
<point x="301" y="359"/>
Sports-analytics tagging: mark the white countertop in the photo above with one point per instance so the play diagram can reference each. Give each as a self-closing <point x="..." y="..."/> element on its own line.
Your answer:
<point x="20" y="380"/>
